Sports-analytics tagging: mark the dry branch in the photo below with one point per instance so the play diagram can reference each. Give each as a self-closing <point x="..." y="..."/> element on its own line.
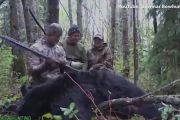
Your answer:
<point x="168" y="99"/>
<point x="171" y="99"/>
<point x="164" y="88"/>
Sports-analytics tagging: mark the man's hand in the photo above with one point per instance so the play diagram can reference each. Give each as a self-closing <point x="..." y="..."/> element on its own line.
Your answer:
<point x="97" y="66"/>
<point x="76" y="65"/>
<point x="50" y="62"/>
<point x="56" y="60"/>
<point x="38" y="69"/>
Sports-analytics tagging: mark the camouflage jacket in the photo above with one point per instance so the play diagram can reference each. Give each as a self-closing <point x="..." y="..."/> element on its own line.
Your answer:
<point x="54" y="52"/>
<point x="75" y="52"/>
<point x="100" y="58"/>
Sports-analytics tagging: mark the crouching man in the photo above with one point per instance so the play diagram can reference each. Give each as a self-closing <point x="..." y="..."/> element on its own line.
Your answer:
<point x="42" y="70"/>
<point x="76" y="54"/>
<point x="100" y="56"/>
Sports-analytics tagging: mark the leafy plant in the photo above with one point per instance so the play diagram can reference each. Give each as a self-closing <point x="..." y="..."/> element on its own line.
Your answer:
<point x="137" y="117"/>
<point x="168" y="109"/>
<point x="70" y="112"/>
<point x="67" y="112"/>
<point x="8" y="100"/>
<point x="50" y="116"/>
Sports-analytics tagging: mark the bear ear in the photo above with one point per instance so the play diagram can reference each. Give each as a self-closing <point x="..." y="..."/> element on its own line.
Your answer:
<point x="24" y="89"/>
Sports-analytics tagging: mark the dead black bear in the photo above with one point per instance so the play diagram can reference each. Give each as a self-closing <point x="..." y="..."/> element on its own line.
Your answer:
<point x="49" y="97"/>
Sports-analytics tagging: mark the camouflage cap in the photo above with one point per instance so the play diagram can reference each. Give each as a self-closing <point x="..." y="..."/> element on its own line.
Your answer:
<point x="54" y="30"/>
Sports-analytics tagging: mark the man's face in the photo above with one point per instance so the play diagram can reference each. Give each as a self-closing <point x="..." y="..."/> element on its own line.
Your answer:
<point x="53" y="40"/>
<point x="74" y="38"/>
<point x="98" y="42"/>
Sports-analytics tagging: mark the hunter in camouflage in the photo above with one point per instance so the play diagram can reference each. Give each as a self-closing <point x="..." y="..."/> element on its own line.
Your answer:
<point x="41" y="69"/>
<point x="100" y="56"/>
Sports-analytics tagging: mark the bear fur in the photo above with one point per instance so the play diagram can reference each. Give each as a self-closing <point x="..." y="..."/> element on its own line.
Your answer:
<point x="50" y="96"/>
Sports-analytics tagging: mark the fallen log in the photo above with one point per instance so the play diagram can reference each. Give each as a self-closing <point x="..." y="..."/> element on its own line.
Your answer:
<point x="168" y="99"/>
<point x="147" y="98"/>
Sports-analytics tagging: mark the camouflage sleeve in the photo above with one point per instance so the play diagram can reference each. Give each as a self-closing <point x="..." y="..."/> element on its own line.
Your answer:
<point x="34" y="60"/>
<point x="108" y="58"/>
<point x="36" y="67"/>
<point x="84" y="59"/>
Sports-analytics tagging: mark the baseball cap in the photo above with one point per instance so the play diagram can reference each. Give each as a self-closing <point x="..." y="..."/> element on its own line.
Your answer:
<point x="98" y="35"/>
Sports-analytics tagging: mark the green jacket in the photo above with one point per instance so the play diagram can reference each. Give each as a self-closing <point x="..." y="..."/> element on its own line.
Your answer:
<point x="75" y="52"/>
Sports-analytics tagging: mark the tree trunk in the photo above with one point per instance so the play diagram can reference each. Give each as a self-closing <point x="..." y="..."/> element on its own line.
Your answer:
<point x="138" y="23"/>
<point x="36" y="31"/>
<point x="70" y="12"/>
<point x="19" y="64"/>
<point x="21" y="15"/>
<point x="118" y="28"/>
<point x="45" y="12"/>
<point x="113" y="23"/>
<point x="6" y="21"/>
<point x="109" y="19"/>
<point x="79" y="15"/>
<point x="135" y="46"/>
<point x="131" y="15"/>
<point x="155" y="22"/>
<point x="52" y="12"/>
<point x="86" y="21"/>
<point x="125" y="41"/>
<point x="27" y="18"/>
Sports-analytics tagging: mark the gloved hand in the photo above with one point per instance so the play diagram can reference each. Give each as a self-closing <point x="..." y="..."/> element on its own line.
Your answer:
<point x="76" y="65"/>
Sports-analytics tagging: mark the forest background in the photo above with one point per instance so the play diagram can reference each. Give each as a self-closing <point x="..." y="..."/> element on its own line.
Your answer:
<point x="145" y="42"/>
